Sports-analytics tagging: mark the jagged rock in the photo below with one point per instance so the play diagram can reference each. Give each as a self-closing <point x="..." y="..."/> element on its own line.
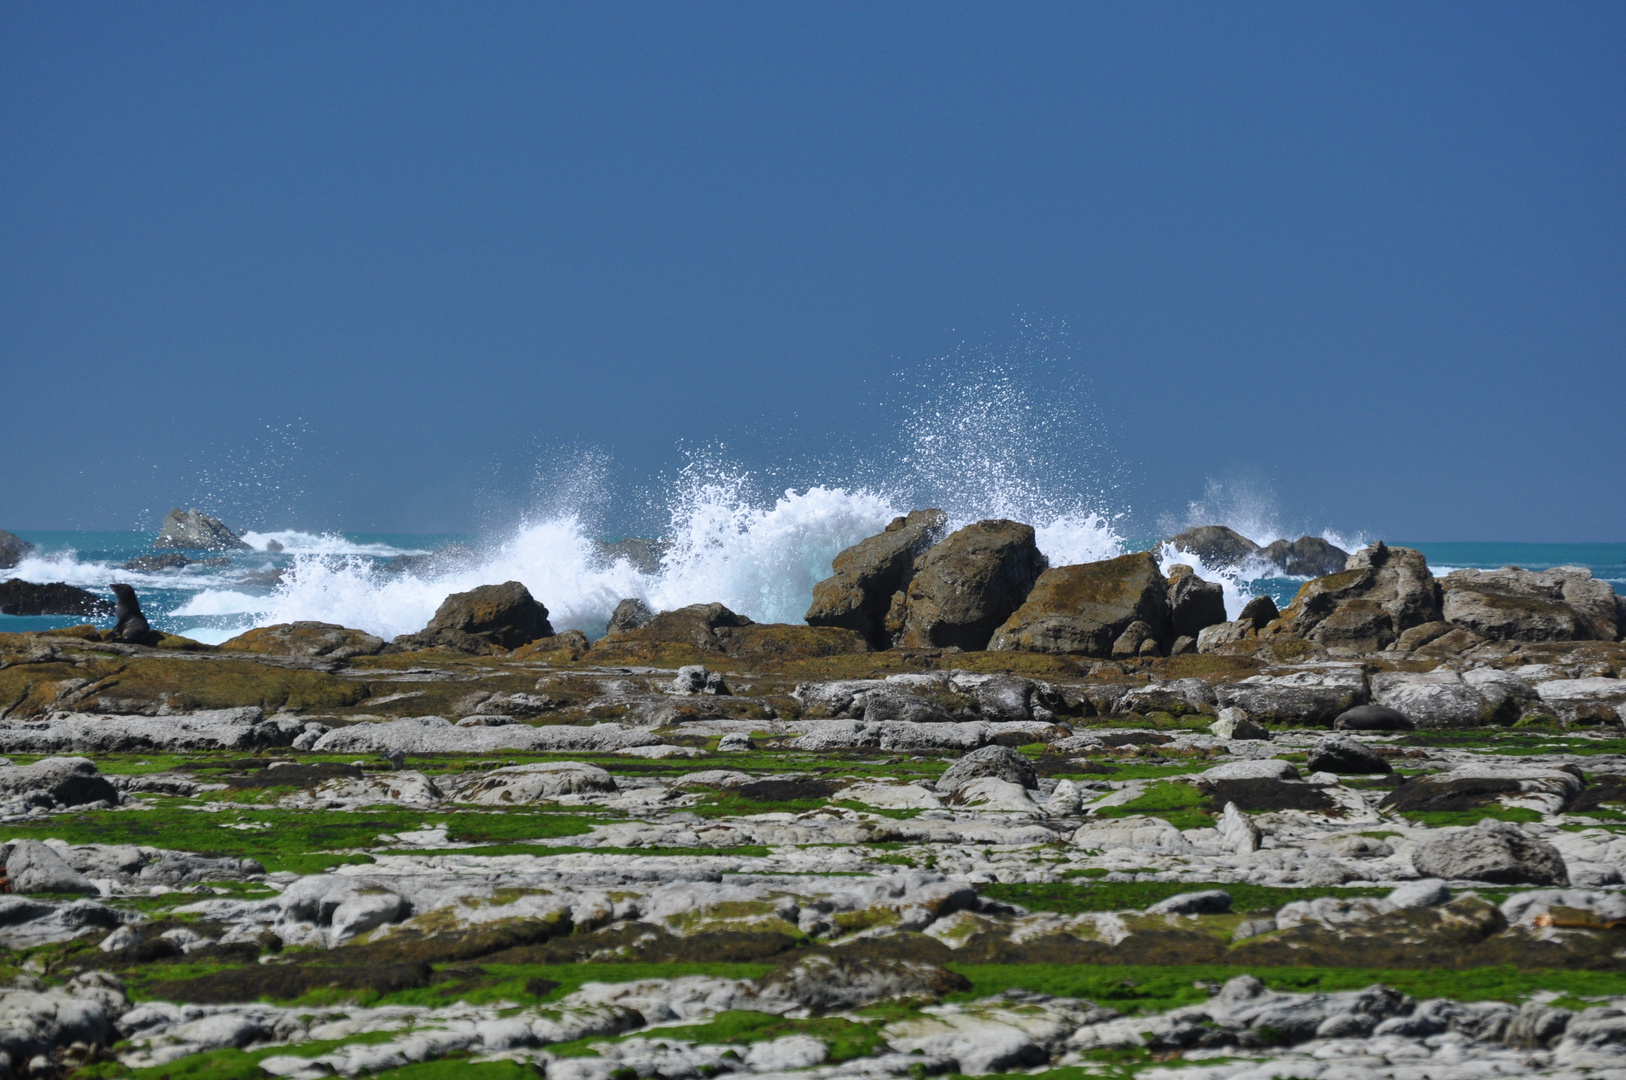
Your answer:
<point x="1563" y="604"/>
<point x="1585" y="701"/>
<point x="1308" y="556"/>
<point x="57" y="782"/>
<point x="867" y="575"/>
<point x="1233" y="723"/>
<point x="1193" y="603"/>
<point x="1432" y="699"/>
<point x="34" y="867"/>
<point x="1342" y="754"/>
<point x="37" y="1024"/>
<point x="1495" y="851"/>
<point x="502" y="616"/>
<point x="215" y="729"/>
<point x="435" y="735"/>
<point x="1372" y="718"/>
<point x="828" y="983"/>
<point x="695" y="679"/>
<point x="195" y="531"/>
<point x="149" y="563"/>
<point x="1237" y="831"/>
<point x="19" y="597"/>
<point x="521" y="784"/>
<point x="1383" y="593"/>
<point x="1309" y="696"/>
<point x="1418" y="636"/>
<point x="13" y="549"/>
<point x="1221" y="636"/>
<point x="966" y="586"/>
<point x="1259" y="612"/>
<point x="999" y="762"/>
<point x="1066" y="801"/>
<point x="736" y="742"/>
<point x="306" y="639"/>
<point x="1087" y="608"/>
<point x="629" y="614"/>
<point x="1219" y="547"/>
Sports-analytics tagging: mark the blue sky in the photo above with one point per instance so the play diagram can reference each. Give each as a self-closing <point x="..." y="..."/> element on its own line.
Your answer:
<point x="368" y="264"/>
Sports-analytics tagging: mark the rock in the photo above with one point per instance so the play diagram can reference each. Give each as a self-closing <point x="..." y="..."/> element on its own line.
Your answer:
<point x="1000" y="762"/>
<point x="1237" y="831"/>
<point x="1307" y="696"/>
<point x="12" y="549"/>
<point x="1259" y="612"/>
<point x="1585" y="701"/>
<point x="1383" y="593"/>
<point x="1473" y="786"/>
<point x="867" y="575"/>
<point x="444" y="560"/>
<point x="522" y="784"/>
<point x="1233" y="723"/>
<point x="34" y="867"/>
<point x="1431" y="699"/>
<point x="1342" y="754"/>
<point x="1184" y="645"/>
<point x="1194" y="603"/>
<point x="1216" y="638"/>
<point x="1066" y="801"/>
<point x="1563" y="604"/>
<point x="736" y="742"/>
<point x="831" y="983"/>
<point x="435" y="735"/>
<point x="1498" y="852"/>
<point x="306" y="639"/>
<point x="196" y="531"/>
<point x="19" y="597"/>
<point x="1308" y="556"/>
<point x="964" y="588"/>
<point x="1218" y="547"/>
<point x="1207" y="902"/>
<point x="214" y="729"/>
<point x="502" y="616"/>
<point x="1372" y="718"/>
<point x="629" y="614"/>
<point x="1087" y="609"/>
<point x="1424" y="892"/>
<point x="149" y="563"/>
<point x="57" y="782"/>
<point x="1506" y="696"/>
<point x="989" y="794"/>
<point x="40" y="1024"/>
<point x="695" y="679"/>
<point x="1418" y="636"/>
<point x="1254" y="769"/>
<point x="1138" y="639"/>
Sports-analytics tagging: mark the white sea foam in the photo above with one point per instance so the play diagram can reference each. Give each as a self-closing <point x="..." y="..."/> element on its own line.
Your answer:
<point x="295" y="542"/>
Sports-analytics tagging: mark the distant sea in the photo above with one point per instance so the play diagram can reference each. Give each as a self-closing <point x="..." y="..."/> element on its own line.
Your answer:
<point x="762" y="569"/>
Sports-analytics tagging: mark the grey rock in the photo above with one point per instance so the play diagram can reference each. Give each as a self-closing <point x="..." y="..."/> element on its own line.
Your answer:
<point x="1253" y="769"/>
<point x="215" y="729"/>
<point x="736" y="742"/>
<point x="696" y="679"/>
<point x="1220" y="636"/>
<point x="1425" y="892"/>
<point x="858" y="595"/>
<point x="1537" y="1025"/>
<point x="34" y="867"/>
<point x="1259" y="612"/>
<point x="1108" y="608"/>
<point x="827" y="983"/>
<point x="964" y="588"/>
<point x="437" y="735"/>
<point x="1233" y="723"/>
<point x="1432" y="699"/>
<point x="1238" y="832"/>
<point x="19" y="597"/>
<point x="1372" y="718"/>
<point x="1219" y="547"/>
<point x="629" y="614"/>
<point x="1382" y="593"/>
<point x="502" y="616"/>
<point x="881" y="706"/>
<point x="1563" y="604"/>
<point x="1585" y="701"/>
<point x="1498" y="852"/>
<point x="196" y="531"/>
<point x="1207" y="902"/>
<point x="57" y="782"/>
<point x="1343" y="754"/>
<point x="149" y="563"/>
<point x="999" y="762"/>
<point x="13" y="549"/>
<point x="1172" y="696"/>
<point x="1307" y="696"/>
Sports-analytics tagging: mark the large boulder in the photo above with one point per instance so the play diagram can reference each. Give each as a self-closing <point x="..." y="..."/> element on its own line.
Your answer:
<point x="1343" y="754"/>
<point x="56" y="783"/>
<point x="1194" y="604"/>
<point x="34" y="867"/>
<point x="1085" y="609"/>
<point x="196" y="531"/>
<point x="1382" y="593"/>
<point x="19" y="597"/>
<point x="1219" y="547"/>
<point x="868" y="574"/>
<point x="1495" y="851"/>
<point x="965" y="587"/>
<point x="1309" y="696"/>
<point x="1595" y="700"/>
<point x="489" y="617"/>
<point x="1308" y="556"/>
<point x="630" y="614"/>
<point x="1434" y="699"/>
<point x="1563" y="604"/>
<point x="998" y="762"/>
<point x="12" y="549"/>
<point x="703" y="630"/>
<point x="306" y="639"/>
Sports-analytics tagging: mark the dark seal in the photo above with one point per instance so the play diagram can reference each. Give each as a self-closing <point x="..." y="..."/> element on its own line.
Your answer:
<point x="1372" y="718"/>
<point x="132" y="626"/>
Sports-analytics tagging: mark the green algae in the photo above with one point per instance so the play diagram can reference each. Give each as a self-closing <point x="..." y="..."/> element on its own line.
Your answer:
<point x="1175" y="803"/>
<point x="843" y="1039"/>
<point x="1069" y="898"/>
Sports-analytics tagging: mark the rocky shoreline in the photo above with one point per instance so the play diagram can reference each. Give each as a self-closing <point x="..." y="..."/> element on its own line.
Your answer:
<point x="980" y="815"/>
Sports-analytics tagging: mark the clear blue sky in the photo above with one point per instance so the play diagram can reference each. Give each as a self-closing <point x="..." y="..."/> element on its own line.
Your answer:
<point x="1368" y="254"/>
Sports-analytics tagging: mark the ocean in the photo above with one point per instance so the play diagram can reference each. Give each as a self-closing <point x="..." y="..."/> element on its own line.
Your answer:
<point x="759" y="559"/>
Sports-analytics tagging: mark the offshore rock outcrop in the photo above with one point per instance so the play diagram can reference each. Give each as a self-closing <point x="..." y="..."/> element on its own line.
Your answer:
<point x="193" y="530"/>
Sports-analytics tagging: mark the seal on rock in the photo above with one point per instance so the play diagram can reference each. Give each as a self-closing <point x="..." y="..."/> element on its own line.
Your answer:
<point x="132" y="626"/>
<point x="1372" y="718"/>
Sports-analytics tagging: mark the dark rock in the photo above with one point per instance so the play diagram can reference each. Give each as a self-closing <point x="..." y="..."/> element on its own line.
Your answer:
<point x="148" y="563"/>
<point x="306" y="639"/>
<point x="1563" y="604"/>
<point x="217" y="561"/>
<point x="18" y="597"/>
<point x="709" y="629"/>
<point x="696" y="624"/>
<point x="1342" y="754"/>
<point x="629" y="614"/>
<point x="643" y="555"/>
<point x="195" y="531"/>
<point x="274" y="546"/>
<point x="1218" y="547"/>
<point x="1308" y="556"/>
<point x="444" y="560"/>
<point x="999" y="762"/>
<point x="965" y="587"/>
<point x="1207" y="902"/>
<point x="1498" y="852"/>
<point x="1372" y="718"/>
<point x="1259" y="612"/>
<point x="12" y="549"/>
<point x="505" y="615"/>
<point x="867" y="575"/>
<point x="1086" y="609"/>
<point x="1193" y="602"/>
<point x="1384" y="592"/>
<point x="1451" y="794"/>
<point x="1138" y="639"/>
